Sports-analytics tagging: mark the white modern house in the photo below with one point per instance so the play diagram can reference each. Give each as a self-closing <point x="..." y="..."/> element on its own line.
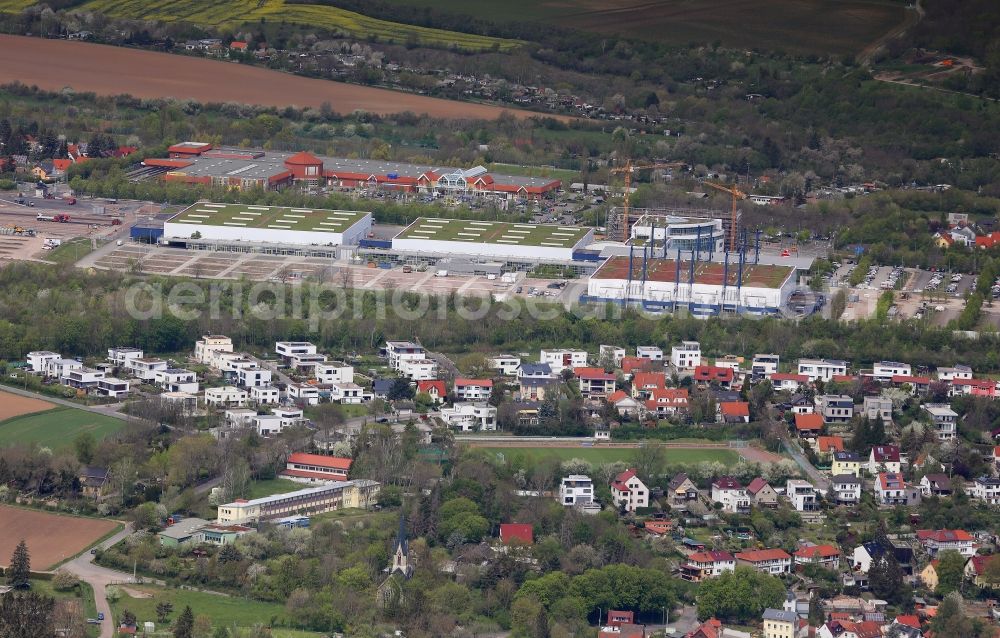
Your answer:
<point x="226" y="397"/>
<point x="176" y="380"/>
<point x="822" y="369"/>
<point x="686" y="356"/>
<point x="733" y="496"/>
<point x="505" y="364"/>
<point x="333" y="372"/>
<point x="121" y="355"/>
<point x="576" y="489"/>
<point x="207" y="349"/>
<point x="764" y="365"/>
<point x="470" y="417"/>
<point x="561" y="359"/>
<point x="944" y="420"/>
<point x="264" y="395"/>
<point x="801" y="494"/>
<point x="346" y="392"/>
<point x="884" y="371"/>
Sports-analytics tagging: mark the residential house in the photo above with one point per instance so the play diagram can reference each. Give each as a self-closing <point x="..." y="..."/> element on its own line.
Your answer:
<point x="766" y="561"/>
<point x="434" y="388"/>
<point x="801" y="404"/>
<point x="38" y="360"/>
<point x="686" y="356"/>
<point x="944" y="420"/>
<point x="471" y="417"/>
<point x="808" y="426"/>
<point x="918" y="385"/>
<point x="208" y="347"/>
<point x="929" y="575"/>
<point x="764" y="365"/>
<point x="822" y="369"/>
<point x="632" y="365"/>
<point x="239" y="417"/>
<point x="877" y="408"/>
<point x="826" y="446"/>
<point x="733" y="497"/>
<point x="521" y="533"/>
<point x="891" y="489"/>
<point x="975" y="570"/>
<point x="264" y="395"/>
<point x="939" y="540"/>
<point x="644" y="383"/>
<point x="649" y="352"/>
<point x="778" y="623"/>
<point x="252" y="377"/>
<point x="333" y="372"/>
<point x="826" y="556"/>
<point x="418" y="369"/>
<point x="986" y="489"/>
<point x="730" y="361"/>
<point x="788" y="381"/>
<point x="667" y="402"/>
<point x="505" y="364"/>
<point x="176" y="380"/>
<point x="315" y="468"/>
<point x="184" y="403"/>
<point x="473" y="389"/>
<point x="382" y="387"/>
<point x="287" y="349"/>
<point x="145" y="368"/>
<point x="846" y="463"/>
<point x="624" y="404"/>
<point x="936" y="484"/>
<point x="702" y="565"/>
<point x="845" y="489"/>
<point x="622" y="631"/>
<point x="734" y="412"/>
<point x="113" y="387"/>
<point x="801" y="494"/>
<point x="712" y="628"/>
<point x="576" y="489"/>
<point x="410" y="360"/>
<point x="82" y="378"/>
<point x="884" y="371"/>
<point x="303" y="393"/>
<point x="595" y="382"/>
<point x="959" y="371"/>
<point x="762" y="494"/>
<point x="93" y="481"/>
<point x="711" y="375"/>
<point x="347" y="393"/>
<point x="884" y="458"/>
<point x="866" y="553"/>
<point x="850" y="629"/>
<point x="534" y="379"/>
<point x="835" y="408"/>
<point x="628" y="492"/>
<point x="121" y="355"/>
<point x="558" y="360"/>
<point x="60" y="368"/>
<point x="681" y="490"/>
<point x="226" y="397"/>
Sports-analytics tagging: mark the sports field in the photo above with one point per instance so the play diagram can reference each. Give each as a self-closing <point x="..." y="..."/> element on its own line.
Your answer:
<point x="277" y="217"/>
<point x="56" y="428"/>
<point x="494" y="232"/>
<point x="51" y="538"/>
<point x="12" y="405"/>
<point x="674" y="456"/>
<point x="233" y="13"/>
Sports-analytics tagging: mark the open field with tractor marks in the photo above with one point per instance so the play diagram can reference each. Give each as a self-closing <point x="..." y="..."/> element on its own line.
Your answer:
<point x="51" y="538"/>
<point x="14" y="405"/>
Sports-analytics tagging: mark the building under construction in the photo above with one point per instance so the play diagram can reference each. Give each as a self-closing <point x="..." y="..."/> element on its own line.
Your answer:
<point x="616" y="220"/>
<point x="662" y="280"/>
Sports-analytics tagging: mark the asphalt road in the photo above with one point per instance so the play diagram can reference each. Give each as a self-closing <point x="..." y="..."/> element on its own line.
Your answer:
<point x="99" y="578"/>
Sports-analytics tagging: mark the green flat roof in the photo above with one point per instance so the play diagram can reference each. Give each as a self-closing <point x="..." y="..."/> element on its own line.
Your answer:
<point x="273" y="217"/>
<point x="503" y="233"/>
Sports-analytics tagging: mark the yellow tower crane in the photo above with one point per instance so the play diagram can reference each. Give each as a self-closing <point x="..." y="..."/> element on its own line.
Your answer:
<point x="737" y="194"/>
<point x="618" y="226"/>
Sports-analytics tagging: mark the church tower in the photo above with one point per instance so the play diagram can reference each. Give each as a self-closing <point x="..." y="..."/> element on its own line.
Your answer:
<point x="401" y="557"/>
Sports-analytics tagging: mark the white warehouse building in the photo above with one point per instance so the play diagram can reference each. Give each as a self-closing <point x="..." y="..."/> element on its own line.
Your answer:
<point x="268" y="224"/>
<point x="709" y="289"/>
<point x="498" y="240"/>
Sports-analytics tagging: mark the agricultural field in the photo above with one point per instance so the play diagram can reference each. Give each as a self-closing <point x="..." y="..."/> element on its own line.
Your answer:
<point x="51" y="538"/>
<point x="107" y="70"/>
<point x="56" y="428"/>
<point x="797" y="26"/>
<point x="596" y="455"/>
<point x="224" y="610"/>
<point x="238" y="12"/>
<point x="14" y="405"/>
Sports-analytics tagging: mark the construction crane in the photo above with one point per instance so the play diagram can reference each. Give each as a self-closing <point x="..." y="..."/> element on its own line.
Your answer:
<point x="737" y="194"/>
<point x="618" y="227"/>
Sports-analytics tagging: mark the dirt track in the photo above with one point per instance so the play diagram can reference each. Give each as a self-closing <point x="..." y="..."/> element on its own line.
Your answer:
<point x="51" y="538"/>
<point x="108" y="70"/>
<point x="12" y="405"/>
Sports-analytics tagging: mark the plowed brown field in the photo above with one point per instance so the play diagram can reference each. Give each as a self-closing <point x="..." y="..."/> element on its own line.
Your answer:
<point x="12" y="405"/>
<point x="108" y="70"/>
<point x="51" y="538"/>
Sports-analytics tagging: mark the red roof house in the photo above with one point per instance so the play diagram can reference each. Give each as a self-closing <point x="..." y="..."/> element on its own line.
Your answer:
<point x="809" y="425"/>
<point x="313" y="468"/>
<point x="704" y="375"/>
<point x="435" y="388"/>
<point x="735" y="411"/>
<point x="523" y="533"/>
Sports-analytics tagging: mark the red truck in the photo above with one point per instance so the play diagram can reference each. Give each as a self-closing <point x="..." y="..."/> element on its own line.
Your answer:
<point x="116" y="222"/>
<point x="61" y="218"/>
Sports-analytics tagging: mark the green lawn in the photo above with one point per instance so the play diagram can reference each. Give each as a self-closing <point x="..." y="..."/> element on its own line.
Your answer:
<point x="483" y="232"/>
<point x="610" y="455"/>
<point x="57" y="428"/>
<point x="71" y="251"/>
<point x="83" y="593"/>
<point x="260" y="489"/>
<point x="223" y="610"/>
